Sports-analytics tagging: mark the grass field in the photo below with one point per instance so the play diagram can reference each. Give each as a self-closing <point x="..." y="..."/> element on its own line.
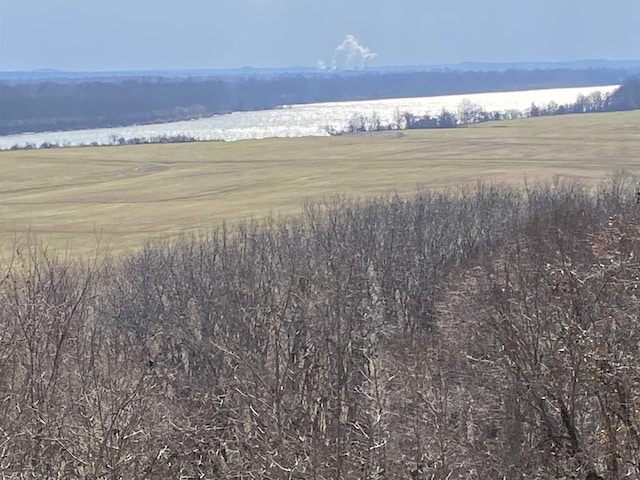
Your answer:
<point x="122" y="196"/>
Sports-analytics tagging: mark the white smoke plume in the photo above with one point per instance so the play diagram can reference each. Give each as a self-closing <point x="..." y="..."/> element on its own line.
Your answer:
<point x="350" y="55"/>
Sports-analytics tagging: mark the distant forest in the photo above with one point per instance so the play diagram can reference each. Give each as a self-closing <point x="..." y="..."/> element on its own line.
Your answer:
<point x="51" y="105"/>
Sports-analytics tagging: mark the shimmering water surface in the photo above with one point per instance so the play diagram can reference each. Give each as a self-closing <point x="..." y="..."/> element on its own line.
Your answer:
<point x="299" y="120"/>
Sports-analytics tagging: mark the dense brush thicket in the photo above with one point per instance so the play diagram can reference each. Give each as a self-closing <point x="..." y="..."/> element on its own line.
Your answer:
<point x="487" y="333"/>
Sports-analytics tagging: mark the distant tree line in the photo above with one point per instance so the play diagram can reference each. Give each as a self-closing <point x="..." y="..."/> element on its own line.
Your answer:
<point x="626" y="97"/>
<point x="117" y="141"/>
<point x="479" y="333"/>
<point x="57" y="105"/>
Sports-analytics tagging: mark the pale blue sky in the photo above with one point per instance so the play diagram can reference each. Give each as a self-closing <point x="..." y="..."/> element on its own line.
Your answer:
<point x="201" y="34"/>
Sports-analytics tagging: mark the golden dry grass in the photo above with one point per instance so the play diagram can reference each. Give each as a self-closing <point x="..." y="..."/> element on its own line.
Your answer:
<point x="127" y="195"/>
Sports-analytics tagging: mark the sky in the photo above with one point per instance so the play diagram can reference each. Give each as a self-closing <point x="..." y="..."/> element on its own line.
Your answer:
<point x="102" y="35"/>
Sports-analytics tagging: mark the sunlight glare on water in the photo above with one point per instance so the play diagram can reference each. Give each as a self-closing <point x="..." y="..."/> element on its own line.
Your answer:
<point x="299" y="120"/>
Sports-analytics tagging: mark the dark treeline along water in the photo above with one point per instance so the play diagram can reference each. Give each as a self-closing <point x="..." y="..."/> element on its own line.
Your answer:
<point x="488" y="332"/>
<point x="36" y="106"/>
<point x="625" y="97"/>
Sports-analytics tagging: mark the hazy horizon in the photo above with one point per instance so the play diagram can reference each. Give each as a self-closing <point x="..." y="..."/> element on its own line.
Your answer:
<point x="302" y="67"/>
<point x="226" y="34"/>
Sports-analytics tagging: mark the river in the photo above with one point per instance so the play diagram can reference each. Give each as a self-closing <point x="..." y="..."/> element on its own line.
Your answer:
<point x="297" y="120"/>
